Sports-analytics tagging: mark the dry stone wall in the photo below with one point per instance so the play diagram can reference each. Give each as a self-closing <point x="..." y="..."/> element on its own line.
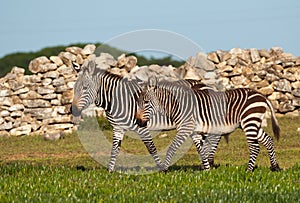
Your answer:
<point x="40" y="103"/>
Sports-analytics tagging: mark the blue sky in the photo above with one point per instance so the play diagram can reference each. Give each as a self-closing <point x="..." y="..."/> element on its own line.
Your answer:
<point x="30" y="25"/>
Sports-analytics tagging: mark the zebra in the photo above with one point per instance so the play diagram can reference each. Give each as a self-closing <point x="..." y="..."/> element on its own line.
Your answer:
<point x="118" y="97"/>
<point x="199" y="112"/>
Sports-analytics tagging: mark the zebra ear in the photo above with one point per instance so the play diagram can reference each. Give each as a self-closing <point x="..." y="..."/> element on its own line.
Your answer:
<point x="91" y="67"/>
<point x="152" y="81"/>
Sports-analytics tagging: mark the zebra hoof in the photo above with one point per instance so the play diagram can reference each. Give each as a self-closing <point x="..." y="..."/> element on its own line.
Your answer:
<point x="275" y="168"/>
<point x="110" y="170"/>
<point x="164" y="170"/>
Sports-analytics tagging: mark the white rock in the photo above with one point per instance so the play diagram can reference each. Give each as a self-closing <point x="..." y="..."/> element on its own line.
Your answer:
<point x="88" y="49"/>
<point x="57" y="60"/>
<point x="16" y="107"/>
<point x="22" y="130"/>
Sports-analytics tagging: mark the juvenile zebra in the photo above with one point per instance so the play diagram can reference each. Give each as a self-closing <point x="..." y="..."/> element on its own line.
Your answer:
<point x="199" y="112"/>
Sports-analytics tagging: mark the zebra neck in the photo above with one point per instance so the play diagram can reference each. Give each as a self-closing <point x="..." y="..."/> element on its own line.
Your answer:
<point x="107" y="82"/>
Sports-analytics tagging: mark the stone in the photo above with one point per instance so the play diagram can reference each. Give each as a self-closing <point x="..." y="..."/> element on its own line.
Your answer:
<point x="67" y="97"/>
<point x="121" y="60"/>
<point x="61" y="126"/>
<point x="191" y="73"/>
<point x="45" y="90"/>
<point x="60" y="110"/>
<point x="65" y="70"/>
<point x="131" y="62"/>
<point x="4" y="133"/>
<point x="226" y="56"/>
<point x="276" y="51"/>
<point x="22" y="130"/>
<point x="212" y="56"/>
<point x="79" y="59"/>
<point x="271" y="77"/>
<point x="21" y="91"/>
<point x="264" y="53"/>
<point x="57" y="60"/>
<point x="239" y="81"/>
<point x="6" y="101"/>
<point x="18" y="71"/>
<point x="278" y="96"/>
<point x="37" y="103"/>
<point x="297" y="63"/>
<point x="59" y="119"/>
<point x="296" y="92"/>
<point x="16" y="114"/>
<point x="58" y="82"/>
<point x="16" y="107"/>
<point x="39" y="113"/>
<point x="88" y="49"/>
<point x="201" y="62"/>
<point x="74" y="50"/>
<point x="31" y="79"/>
<point x="4" y="113"/>
<point x="6" y="126"/>
<point x="31" y="95"/>
<point x="46" y="81"/>
<point x="62" y="88"/>
<point x="266" y="90"/>
<point x="295" y="85"/>
<point x="35" y="63"/>
<point x="282" y="85"/>
<point x="5" y="92"/>
<point x="49" y="96"/>
<point x="42" y="68"/>
<point x="255" y="57"/>
<point x="256" y="79"/>
<point x="71" y="84"/>
<point x="248" y="72"/>
<point x="210" y="75"/>
<point x="236" y="51"/>
<point x="53" y="136"/>
<point x="109" y="60"/>
<point x="226" y="68"/>
<point x="296" y="102"/>
<point x="55" y="102"/>
<point x="286" y="107"/>
<point x="51" y="74"/>
<point x="67" y="57"/>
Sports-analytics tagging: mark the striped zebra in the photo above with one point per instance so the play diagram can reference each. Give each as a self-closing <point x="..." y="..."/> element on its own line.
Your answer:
<point x="118" y="96"/>
<point x="201" y="112"/>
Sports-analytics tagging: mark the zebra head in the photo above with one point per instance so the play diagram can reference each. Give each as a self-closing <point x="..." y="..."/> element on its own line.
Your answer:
<point x="148" y="102"/>
<point x="85" y="89"/>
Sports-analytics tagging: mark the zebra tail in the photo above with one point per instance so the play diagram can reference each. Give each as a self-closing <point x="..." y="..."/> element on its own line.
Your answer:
<point x="226" y="136"/>
<point x="275" y="126"/>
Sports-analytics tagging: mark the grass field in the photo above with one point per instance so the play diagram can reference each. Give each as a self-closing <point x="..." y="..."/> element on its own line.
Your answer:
<point x="35" y="170"/>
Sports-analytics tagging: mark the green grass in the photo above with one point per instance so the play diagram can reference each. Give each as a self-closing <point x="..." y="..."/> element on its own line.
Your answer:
<point x="34" y="170"/>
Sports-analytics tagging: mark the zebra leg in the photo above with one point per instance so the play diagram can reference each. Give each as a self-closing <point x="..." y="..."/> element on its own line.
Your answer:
<point x="202" y="150"/>
<point x="211" y="143"/>
<point x="118" y="135"/>
<point x="253" y="147"/>
<point x="147" y="139"/>
<point x="267" y="141"/>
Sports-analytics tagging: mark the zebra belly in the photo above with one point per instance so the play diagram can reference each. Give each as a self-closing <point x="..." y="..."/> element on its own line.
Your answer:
<point x="217" y="129"/>
<point x="159" y="122"/>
